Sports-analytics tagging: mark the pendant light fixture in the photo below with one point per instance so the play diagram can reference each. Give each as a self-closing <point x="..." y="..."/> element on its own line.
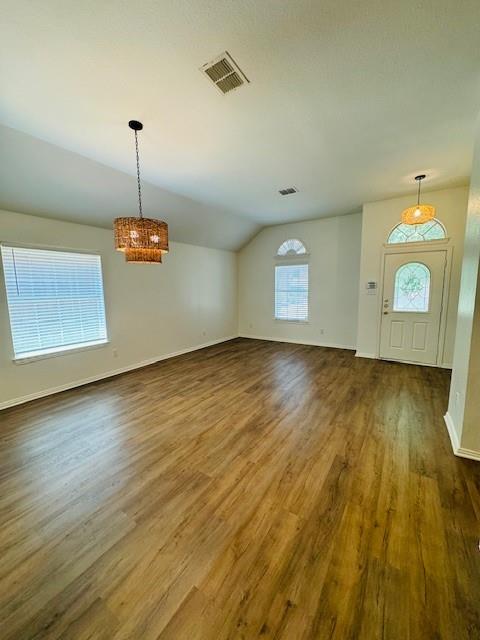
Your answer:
<point x="141" y="239"/>
<point x="419" y="213"/>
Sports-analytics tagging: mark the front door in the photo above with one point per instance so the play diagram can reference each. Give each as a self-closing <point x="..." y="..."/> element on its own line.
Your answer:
<point x="412" y="306"/>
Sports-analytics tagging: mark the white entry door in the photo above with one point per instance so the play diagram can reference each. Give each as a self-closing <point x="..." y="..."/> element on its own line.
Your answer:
<point x="412" y="306"/>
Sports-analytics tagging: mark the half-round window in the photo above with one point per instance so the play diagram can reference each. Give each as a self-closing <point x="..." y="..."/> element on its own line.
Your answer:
<point x="431" y="230"/>
<point x="291" y="247"/>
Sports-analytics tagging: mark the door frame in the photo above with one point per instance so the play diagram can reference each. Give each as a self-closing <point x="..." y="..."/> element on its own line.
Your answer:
<point x="414" y="248"/>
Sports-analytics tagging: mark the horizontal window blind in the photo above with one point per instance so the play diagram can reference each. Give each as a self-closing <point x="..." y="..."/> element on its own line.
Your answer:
<point x="291" y="292"/>
<point x="55" y="300"/>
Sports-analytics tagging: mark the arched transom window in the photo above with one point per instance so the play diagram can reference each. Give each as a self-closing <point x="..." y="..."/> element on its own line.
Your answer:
<point x="412" y="288"/>
<point x="431" y="230"/>
<point x="292" y="247"/>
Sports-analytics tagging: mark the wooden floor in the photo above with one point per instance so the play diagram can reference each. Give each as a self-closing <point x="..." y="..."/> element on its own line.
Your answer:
<point x="249" y="490"/>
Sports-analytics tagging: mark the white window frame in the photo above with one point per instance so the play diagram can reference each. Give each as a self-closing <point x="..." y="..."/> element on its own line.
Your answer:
<point x="64" y="349"/>
<point x="287" y="260"/>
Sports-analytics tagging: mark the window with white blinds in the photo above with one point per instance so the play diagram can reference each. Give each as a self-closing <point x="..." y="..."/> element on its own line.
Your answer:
<point x="55" y="300"/>
<point x="291" y="292"/>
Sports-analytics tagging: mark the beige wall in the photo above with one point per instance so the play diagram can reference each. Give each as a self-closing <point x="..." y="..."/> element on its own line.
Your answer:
<point x="152" y="310"/>
<point x="463" y="416"/>
<point x="377" y="221"/>
<point x="334" y="247"/>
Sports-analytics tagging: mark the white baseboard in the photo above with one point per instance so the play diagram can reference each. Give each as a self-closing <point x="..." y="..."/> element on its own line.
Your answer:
<point x="452" y="432"/>
<point x="360" y="354"/>
<point x="462" y="452"/>
<point x="109" y="374"/>
<point x="468" y="453"/>
<point x="312" y="343"/>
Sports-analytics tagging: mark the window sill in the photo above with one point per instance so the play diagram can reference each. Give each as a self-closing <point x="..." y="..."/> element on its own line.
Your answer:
<point x="33" y="356"/>
<point x="292" y="321"/>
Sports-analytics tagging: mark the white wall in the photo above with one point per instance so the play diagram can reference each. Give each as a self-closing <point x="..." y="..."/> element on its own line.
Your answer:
<point x="334" y="247"/>
<point x="463" y="416"/>
<point x="152" y="310"/>
<point x="377" y="221"/>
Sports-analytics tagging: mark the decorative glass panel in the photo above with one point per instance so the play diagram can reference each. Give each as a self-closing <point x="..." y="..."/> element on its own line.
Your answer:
<point x="431" y="230"/>
<point x="412" y="288"/>
<point x="291" y="247"/>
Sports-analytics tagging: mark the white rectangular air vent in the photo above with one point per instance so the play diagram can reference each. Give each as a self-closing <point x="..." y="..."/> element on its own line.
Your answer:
<point x="225" y="73"/>
<point x="288" y="191"/>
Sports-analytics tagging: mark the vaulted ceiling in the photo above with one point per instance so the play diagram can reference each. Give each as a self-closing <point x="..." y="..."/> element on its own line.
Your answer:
<point x="347" y="101"/>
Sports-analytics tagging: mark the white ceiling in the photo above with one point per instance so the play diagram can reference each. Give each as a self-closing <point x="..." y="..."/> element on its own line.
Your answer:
<point x="347" y="101"/>
<point x="42" y="179"/>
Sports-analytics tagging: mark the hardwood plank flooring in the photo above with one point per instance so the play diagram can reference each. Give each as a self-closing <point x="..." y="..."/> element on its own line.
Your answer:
<point x="249" y="490"/>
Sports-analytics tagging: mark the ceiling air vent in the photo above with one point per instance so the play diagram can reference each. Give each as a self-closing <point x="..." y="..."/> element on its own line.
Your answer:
<point x="288" y="191"/>
<point x="225" y="73"/>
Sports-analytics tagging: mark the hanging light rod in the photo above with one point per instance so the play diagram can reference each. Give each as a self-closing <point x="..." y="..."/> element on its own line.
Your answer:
<point x="419" y="213"/>
<point x="141" y="239"/>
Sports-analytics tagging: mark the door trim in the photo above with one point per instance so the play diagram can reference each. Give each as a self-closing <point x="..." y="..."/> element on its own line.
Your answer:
<point x="413" y="248"/>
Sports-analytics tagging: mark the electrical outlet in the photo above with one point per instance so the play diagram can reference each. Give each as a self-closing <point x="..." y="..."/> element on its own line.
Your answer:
<point x="322" y="331"/>
<point x="115" y="353"/>
<point x="204" y="333"/>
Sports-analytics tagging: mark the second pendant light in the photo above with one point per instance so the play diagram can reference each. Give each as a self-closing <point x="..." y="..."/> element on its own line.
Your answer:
<point x="419" y="213"/>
